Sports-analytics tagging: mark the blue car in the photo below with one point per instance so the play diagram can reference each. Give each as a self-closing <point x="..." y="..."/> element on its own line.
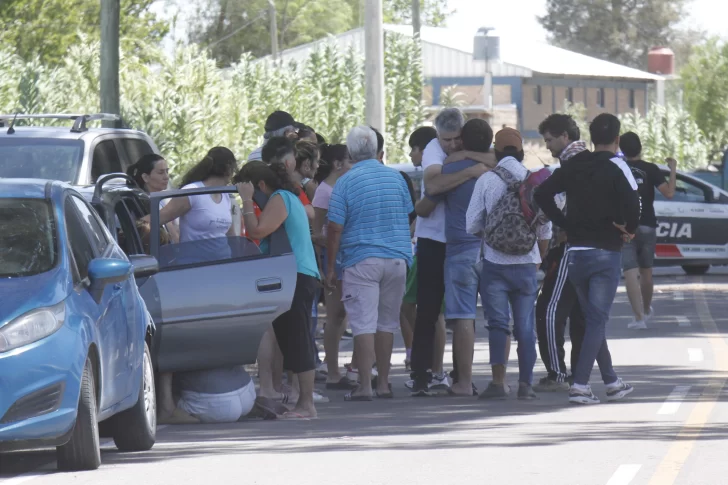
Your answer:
<point x="74" y="333"/>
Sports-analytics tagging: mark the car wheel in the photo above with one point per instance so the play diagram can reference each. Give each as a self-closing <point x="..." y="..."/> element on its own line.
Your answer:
<point x="696" y="270"/>
<point x="83" y="451"/>
<point x="136" y="429"/>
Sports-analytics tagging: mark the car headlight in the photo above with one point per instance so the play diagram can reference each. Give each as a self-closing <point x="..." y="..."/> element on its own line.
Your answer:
<point x="31" y="327"/>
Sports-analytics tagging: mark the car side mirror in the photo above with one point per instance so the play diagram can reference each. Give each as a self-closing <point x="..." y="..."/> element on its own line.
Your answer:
<point x="104" y="272"/>
<point x="144" y="265"/>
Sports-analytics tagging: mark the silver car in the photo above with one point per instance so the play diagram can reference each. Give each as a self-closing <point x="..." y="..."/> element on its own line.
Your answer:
<point x="211" y="300"/>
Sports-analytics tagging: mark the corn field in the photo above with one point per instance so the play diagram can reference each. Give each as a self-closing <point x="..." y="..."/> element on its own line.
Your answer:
<point x="188" y="105"/>
<point x="668" y="131"/>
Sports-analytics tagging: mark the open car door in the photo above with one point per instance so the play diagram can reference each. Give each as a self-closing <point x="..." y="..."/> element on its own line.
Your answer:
<point x="216" y="297"/>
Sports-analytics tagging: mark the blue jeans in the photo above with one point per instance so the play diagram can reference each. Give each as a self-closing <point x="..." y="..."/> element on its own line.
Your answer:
<point x="595" y="274"/>
<point x="501" y="285"/>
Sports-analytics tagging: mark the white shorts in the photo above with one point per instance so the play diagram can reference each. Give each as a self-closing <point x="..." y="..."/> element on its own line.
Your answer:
<point x="372" y="292"/>
<point x="219" y="408"/>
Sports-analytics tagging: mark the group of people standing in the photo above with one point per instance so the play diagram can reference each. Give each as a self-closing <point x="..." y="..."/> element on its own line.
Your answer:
<point x="387" y="262"/>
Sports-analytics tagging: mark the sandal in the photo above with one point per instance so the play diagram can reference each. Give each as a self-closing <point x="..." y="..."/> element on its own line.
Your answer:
<point x="295" y="416"/>
<point x="350" y="397"/>
<point x="344" y="384"/>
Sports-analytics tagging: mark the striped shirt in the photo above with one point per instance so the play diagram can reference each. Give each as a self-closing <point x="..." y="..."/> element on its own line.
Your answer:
<point x="373" y="204"/>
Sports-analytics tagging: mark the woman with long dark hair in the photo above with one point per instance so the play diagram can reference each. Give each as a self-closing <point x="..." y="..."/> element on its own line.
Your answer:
<point x="151" y="174"/>
<point x="292" y="329"/>
<point x="335" y="162"/>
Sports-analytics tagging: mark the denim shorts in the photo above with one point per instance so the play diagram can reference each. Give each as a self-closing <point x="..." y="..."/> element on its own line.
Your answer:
<point x="640" y="252"/>
<point x="462" y="282"/>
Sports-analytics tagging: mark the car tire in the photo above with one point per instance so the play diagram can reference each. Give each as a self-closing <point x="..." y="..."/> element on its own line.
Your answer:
<point x="136" y="429"/>
<point x="696" y="270"/>
<point x="83" y="451"/>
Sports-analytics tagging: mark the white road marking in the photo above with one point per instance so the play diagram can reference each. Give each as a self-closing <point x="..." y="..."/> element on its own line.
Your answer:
<point x="696" y="355"/>
<point x="674" y="400"/>
<point x="679" y="296"/>
<point x="624" y="475"/>
<point x="682" y="321"/>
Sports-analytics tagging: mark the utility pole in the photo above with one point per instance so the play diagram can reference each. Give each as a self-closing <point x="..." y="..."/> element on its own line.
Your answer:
<point x="416" y="21"/>
<point x="110" y="103"/>
<point x="374" y="49"/>
<point x="273" y="29"/>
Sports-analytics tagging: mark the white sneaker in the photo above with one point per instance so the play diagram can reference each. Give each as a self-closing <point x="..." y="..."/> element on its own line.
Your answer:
<point x="650" y="315"/>
<point x="582" y="396"/>
<point x="637" y="325"/>
<point x="439" y="383"/>
<point x="353" y="374"/>
<point x="410" y="384"/>
<point x="618" y="390"/>
<point x="323" y="368"/>
<point x="319" y="398"/>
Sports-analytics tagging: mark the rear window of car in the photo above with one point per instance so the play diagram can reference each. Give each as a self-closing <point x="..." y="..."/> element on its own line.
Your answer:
<point x="43" y="158"/>
<point x="28" y="241"/>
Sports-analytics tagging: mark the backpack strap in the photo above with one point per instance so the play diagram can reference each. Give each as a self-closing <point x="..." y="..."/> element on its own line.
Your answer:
<point x="506" y="176"/>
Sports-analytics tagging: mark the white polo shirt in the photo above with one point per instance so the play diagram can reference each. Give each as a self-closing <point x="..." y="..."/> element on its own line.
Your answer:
<point x="432" y="227"/>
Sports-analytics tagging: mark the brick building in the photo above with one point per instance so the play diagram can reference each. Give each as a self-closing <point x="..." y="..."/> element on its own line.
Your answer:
<point x="530" y="79"/>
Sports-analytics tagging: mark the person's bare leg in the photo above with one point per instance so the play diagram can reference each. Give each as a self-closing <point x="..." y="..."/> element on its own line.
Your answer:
<point x="266" y="372"/>
<point x="333" y="331"/>
<point x="634" y="293"/>
<point x="408" y="314"/>
<point x="383" y="343"/>
<point x="305" y="406"/>
<point x="365" y="355"/>
<point x="166" y="400"/>
<point x="169" y="413"/>
<point x="440" y="341"/>
<point x="464" y="343"/>
<point x="648" y="287"/>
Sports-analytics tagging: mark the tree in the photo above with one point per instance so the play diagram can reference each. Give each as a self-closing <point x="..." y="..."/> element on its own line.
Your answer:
<point x="706" y="91"/>
<point x="229" y="28"/>
<point x="46" y="29"/>
<point x="621" y="31"/>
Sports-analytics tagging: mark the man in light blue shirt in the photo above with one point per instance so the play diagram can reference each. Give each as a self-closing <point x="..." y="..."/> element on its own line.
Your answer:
<point x="369" y="223"/>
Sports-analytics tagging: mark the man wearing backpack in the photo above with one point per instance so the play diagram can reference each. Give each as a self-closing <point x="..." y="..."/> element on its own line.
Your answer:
<point x="513" y="249"/>
<point x="557" y="301"/>
<point x="603" y="210"/>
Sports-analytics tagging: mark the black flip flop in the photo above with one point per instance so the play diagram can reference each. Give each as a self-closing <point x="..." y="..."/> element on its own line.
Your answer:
<point x="344" y="384"/>
<point x="385" y="395"/>
<point x="350" y="397"/>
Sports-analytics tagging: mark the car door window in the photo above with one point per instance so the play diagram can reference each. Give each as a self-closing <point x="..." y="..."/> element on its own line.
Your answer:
<point x="95" y="227"/>
<point x="126" y="230"/>
<point x="205" y="250"/>
<point x="685" y="191"/>
<point x="105" y="160"/>
<point x="135" y="148"/>
<point x="81" y="248"/>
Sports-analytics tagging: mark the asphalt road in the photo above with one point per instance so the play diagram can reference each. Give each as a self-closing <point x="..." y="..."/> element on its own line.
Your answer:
<point x="672" y="430"/>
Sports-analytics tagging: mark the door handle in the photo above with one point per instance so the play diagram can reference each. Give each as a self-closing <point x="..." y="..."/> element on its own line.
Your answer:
<point x="269" y="285"/>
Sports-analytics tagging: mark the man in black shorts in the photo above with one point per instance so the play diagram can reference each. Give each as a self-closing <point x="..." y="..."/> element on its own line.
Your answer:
<point x="638" y="255"/>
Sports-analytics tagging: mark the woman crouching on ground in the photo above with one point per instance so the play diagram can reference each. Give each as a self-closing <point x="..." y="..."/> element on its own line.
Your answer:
<point x="292" y="328"/>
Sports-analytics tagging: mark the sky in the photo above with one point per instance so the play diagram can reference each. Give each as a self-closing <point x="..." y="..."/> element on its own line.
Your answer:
<point x="472" y="14"/>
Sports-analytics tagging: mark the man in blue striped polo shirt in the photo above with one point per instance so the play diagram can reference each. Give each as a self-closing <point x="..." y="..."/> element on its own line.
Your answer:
<point x="369" y="222"/>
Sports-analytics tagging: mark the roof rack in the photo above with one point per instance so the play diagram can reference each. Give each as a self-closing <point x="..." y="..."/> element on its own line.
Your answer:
<point x="79" y="120"/>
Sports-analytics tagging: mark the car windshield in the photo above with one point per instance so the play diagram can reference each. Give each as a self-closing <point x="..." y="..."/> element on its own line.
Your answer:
<point x="27" y="237"/>
<point x="40" y="158"/>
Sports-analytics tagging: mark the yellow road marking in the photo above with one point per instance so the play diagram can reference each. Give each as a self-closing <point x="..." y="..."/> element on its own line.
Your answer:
<point x="670" y="466"/>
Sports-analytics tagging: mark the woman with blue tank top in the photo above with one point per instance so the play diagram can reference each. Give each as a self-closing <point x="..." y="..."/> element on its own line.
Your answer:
<point x="292" y="329"/>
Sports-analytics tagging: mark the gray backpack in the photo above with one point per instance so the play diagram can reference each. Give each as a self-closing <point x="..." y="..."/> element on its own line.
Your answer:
<point x="506" y="228"/>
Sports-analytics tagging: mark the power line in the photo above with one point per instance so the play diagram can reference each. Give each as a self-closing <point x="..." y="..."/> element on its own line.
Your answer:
<point x="262" y="14"/>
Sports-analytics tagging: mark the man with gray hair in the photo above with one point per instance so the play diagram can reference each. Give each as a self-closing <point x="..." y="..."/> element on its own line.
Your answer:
<point x="369" y="223"/>
<point x="430" y="234"/>
<point x="279" y="123"/>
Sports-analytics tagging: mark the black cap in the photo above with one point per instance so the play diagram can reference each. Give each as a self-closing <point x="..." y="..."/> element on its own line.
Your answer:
<point x="278" y="120"/>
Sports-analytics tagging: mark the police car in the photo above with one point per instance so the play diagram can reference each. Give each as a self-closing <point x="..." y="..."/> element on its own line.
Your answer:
<point x="692" y="227"/>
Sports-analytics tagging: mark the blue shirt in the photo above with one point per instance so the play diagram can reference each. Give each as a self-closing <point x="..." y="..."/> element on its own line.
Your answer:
<point x="457" y="201"/>
<point x="299" y="235"/>
<point x="373" y="204"/>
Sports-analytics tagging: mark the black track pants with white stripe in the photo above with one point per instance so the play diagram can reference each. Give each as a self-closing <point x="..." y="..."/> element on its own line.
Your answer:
<point x="556" y="305"/>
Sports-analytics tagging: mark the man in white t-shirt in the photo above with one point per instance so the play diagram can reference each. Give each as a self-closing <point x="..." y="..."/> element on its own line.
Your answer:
<point x="430" y="234"/>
